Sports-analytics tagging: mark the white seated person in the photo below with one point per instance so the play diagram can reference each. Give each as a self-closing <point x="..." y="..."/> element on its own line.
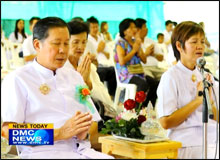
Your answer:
<point x="180" y="102"/>
<point x="167" y="40"/>
<point x="161" y="45"/>
<point x="24" y="100"/>
<point x="19" y="34"/>
<point x="97" y="43"/>
<point x="81" y="62"/>
<point x="151" y="49"/>
<point x="29" y="52"/>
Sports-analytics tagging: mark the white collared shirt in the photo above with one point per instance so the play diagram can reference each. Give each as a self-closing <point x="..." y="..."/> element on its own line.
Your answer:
<point x="99" y="91"/>
<point x="92" y="46"/>
<point x="175" y="90"/>
<point x="170" y="56"/>
<point x="28" y="47"/>
<point x="167" y="35"/>
<point x="23" y="102"/>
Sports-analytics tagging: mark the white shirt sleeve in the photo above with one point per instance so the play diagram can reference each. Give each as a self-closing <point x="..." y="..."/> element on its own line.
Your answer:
<point x="13" y="99"/>
<point x="99" y="91"/>
<point x="157" y="49"/>
<point x="28" y="48"/>
<point x="167" y="95"/>
<point x="12" y="37"/>
<point x="90" y="48"/>
<point x="77" y="77"/>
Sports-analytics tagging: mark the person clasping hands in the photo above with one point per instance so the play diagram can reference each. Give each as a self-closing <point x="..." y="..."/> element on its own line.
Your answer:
<point x="78" y="126"/>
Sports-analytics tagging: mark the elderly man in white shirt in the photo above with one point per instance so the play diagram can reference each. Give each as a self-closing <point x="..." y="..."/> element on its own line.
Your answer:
<point x="45" y="92"/>
<point x="29" y="52"/>
<point x="180" y="102"/>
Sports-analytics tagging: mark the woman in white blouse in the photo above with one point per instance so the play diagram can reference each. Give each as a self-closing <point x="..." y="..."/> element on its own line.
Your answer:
<point x="19" y="34"/>
<point x="80" y="60"/>
<point x="179" y="104"/>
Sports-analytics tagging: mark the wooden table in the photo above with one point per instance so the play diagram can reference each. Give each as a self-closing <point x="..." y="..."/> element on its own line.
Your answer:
<point x="127" y="149"/>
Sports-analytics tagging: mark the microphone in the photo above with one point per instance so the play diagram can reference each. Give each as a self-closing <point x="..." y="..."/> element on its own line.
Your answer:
<point x="201" y="62"/>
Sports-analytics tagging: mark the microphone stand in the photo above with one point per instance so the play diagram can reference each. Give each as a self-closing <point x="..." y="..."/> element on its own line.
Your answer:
<point x="206" y="105"/>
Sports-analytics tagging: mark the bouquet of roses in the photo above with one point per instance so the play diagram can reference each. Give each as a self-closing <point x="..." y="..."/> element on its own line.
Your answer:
<point x="128" y="123"/>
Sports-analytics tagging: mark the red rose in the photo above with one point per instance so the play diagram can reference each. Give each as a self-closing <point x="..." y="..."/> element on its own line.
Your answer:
<point x="141" y="119"/>
<point x="140" y="97"/>
<point x="129" y="104"/>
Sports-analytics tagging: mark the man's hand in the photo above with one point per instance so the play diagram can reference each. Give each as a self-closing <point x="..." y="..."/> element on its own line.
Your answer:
<point x="150" y="50"/>
<point x="106" y="54"/>
<point x="30" y="57"/>
<point x="159" y="57"/>
<point x="101" y="46"/>
<point x="137" y="44"/>
<point x="78" y="125"/>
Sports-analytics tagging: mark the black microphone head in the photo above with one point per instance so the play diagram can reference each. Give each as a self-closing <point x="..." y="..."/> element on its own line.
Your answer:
<point x="200" y="62"/>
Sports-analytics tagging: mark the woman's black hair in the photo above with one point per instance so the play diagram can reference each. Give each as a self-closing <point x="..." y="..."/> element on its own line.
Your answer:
<point x="16" y="30"/>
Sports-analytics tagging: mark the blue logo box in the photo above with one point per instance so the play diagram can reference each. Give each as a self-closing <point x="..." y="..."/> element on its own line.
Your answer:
<point x="31" y="136"/>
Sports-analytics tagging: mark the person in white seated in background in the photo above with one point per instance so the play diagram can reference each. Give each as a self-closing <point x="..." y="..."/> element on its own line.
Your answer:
<point x="81" y="62"/>
<point x="180" y="99"/>
<point x="45" y="92"/>
<point x="97" y="40"/>
<point x="29" y="52"/>
<point x="96" y="45"/>
<point x="167" y="40"/>
<point x="151" y="50"/>
<point x="104" y="30"/>
<point x="161" y="45"/>
<point x="208" y="48"/>
<point x="19" y="35"/>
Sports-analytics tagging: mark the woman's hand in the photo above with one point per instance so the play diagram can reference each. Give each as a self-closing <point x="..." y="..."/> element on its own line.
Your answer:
<point x="209" y="80"/>
<point x="199" y="89"/>
<point x="85" y="67"/>
<point x="78" y="125"/>
<point x="137" y="44"/>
